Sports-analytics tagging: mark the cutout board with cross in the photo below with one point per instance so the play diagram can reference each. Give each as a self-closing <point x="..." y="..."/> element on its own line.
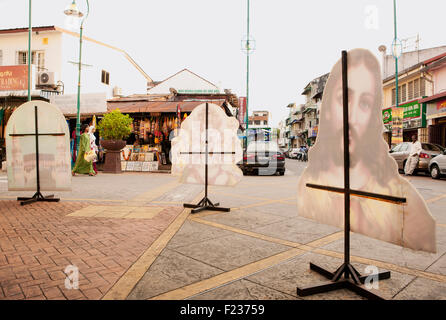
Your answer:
<point x="206" y="151"/>
<point x="372" y="170"/>
<point x="49" y="139"/>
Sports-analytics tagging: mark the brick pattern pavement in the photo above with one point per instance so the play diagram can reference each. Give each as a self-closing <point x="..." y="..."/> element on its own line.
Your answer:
<point x="38" y="241"/>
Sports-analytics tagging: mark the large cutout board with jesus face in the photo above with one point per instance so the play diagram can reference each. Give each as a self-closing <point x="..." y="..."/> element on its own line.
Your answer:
<point x="371" y="168"/>
<point x="54" y="151"/>
<point x="222" y="137"/>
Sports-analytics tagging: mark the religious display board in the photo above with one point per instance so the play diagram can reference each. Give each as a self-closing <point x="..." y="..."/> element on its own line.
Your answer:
<point x="50" y="138"/>
<point x="223" y="148"/>
<point x="371" y="169"/>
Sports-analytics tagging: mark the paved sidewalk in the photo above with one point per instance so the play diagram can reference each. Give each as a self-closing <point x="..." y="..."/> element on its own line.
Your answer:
<point x="262" y="249"/>
<point x="131" y="239"/>
<point x="102" y="228"/>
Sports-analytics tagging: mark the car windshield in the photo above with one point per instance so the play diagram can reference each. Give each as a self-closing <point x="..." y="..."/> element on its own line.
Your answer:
<point x="430" y="147"/>
<point x="262" y="146"/>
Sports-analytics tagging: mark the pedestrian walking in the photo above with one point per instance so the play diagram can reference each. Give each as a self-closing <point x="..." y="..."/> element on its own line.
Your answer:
<point x="83" y="166"/>
<point x="414" y="155"/>
<point x="93" y="146"/>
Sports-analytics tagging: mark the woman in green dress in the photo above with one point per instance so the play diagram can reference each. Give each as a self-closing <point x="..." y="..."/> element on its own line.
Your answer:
<point x="82" y="166"/>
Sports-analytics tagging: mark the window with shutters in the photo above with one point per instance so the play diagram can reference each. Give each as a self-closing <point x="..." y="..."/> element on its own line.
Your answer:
<point x="105" y="77"/>
<point x="422" y="87"/>
<point x="393" y="96"/>
<point x="403" y="93"/>
<point x="38" y="59"/>
<point x="416" y="88"/>
<point x="410" y="91"/>
<point x="399" y="94"/>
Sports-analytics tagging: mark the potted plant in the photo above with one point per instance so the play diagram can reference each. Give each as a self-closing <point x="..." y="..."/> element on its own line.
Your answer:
<point x="113" y="128"/>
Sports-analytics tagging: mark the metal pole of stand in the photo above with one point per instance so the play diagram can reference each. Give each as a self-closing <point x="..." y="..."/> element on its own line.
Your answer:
<point x="207" y="153"/>
<point x="346" y="162"/>
<point x="37" y="150"/>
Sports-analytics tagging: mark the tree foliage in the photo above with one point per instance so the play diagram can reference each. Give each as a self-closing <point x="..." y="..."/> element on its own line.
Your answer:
<point x="115" y="126"/>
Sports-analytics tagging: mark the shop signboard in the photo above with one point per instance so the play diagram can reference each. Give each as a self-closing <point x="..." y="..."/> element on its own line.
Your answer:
<point x="412" y="110"/>
<point x="414" y="115"/>
<point x="54" y="150"/>
<point x="387" y="115"/>
<point x="13" y="78"/>
<point x="242" y="110"/>
<point x="397" y="125"/>
<point x="441" y="106"/>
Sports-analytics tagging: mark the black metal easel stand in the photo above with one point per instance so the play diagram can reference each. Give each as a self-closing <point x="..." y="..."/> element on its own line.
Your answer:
<point x="37" y="196"/>
<point x="205" y="203"/>
<point x="346" y="276"/>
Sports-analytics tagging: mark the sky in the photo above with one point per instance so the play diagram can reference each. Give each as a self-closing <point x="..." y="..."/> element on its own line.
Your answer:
<point x="296" y="40"/>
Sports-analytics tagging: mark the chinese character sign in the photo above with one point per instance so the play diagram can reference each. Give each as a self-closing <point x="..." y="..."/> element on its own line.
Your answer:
<point x="371" y="168"/>
<point x="224" y="147"/>
<point x="54" y="151"/>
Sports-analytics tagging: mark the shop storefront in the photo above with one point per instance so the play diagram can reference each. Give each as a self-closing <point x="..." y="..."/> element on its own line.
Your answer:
<point x="436" y="118"/>
<point x="312" y="134"/>
<point x="154" y="123"/>
<point x="414" y="121"/>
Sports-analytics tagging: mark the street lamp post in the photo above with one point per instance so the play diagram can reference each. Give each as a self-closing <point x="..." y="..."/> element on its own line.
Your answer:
<point x="73" y="11"/>
<point x="248" y="46"/>
<point x="396" y="52"/>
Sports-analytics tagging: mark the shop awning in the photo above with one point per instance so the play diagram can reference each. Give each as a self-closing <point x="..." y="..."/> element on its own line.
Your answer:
<point x="434" y="97"/>
<point x="157" y="106"/>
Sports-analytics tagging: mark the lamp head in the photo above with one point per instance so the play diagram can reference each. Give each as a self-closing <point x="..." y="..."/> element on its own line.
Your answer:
<point x="72" y="10"/>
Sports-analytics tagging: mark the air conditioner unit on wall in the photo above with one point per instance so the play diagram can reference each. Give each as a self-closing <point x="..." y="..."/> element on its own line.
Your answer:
<point x="46" y="78"/>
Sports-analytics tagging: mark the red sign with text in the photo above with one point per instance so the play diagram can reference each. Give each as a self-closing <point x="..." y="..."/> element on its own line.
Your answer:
<point x="242" y="109"/>
<point x="441" y="105"/>
<point x="13" y="78"/>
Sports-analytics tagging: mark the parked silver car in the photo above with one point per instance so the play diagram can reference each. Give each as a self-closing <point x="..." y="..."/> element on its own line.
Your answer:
<point x="401" y="152"/>
<point x="437" y="166"/>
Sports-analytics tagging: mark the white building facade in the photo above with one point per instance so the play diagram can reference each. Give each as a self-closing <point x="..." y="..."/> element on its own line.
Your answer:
<point x="107" y="71"/>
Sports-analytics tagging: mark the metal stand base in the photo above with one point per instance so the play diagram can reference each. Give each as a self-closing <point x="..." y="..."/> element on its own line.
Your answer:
<point x="205" y="204"/>
<point x="37" y="197"/>
<point x="345" y="283"/>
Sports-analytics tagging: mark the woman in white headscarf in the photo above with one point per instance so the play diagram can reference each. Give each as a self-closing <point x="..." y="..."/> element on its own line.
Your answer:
<point x="93" y="146"/>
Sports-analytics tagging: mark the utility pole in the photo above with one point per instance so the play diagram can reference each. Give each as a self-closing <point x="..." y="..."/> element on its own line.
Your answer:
<point x="248" y="46"/>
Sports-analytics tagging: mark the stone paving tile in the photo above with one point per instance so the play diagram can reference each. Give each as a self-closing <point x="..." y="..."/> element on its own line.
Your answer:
<point x="182" y="193"/>
<point x="38" y="241"/>
<point x="379" y="250"/>
<point x="423" y="289"/>
<point x="439" y="266"/>
<point x="171" y="271"/>
<point x="298" y="230"/>
<point x="287" y="210"/>
<point x="246" y="219"/>
<point x="231" y="251"/>
<point x="243" y="290"/>
<point x="194" y="232"/>
<point x="287" y="276"/>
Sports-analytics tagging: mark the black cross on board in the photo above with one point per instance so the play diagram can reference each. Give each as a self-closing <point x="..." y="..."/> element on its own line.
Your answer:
<point x="205" y="203"/>
<point x="37" y="196"/>
<point x="347" y="268"/>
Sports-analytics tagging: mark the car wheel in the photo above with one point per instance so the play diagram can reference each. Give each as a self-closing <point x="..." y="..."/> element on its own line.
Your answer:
<point x="435" y="172"/>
